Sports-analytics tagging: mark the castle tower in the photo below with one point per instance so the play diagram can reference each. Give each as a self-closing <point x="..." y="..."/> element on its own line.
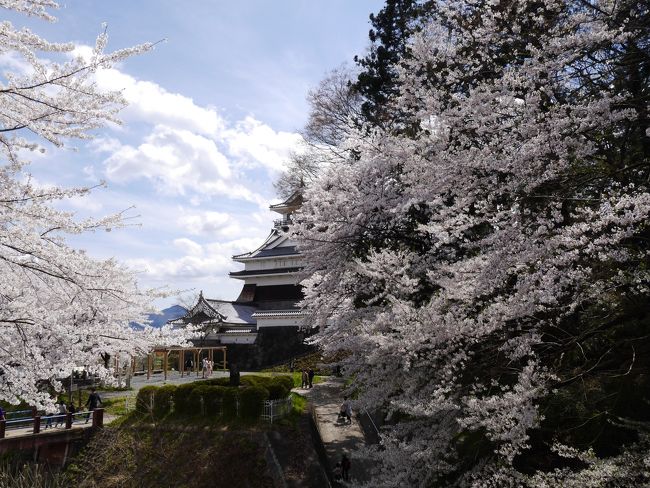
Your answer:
<point x="271" y="273"/>
<point x="264" y="324"/>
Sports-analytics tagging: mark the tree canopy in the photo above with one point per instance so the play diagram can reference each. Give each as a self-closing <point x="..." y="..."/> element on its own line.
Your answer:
<point x="485" y="256"/>
<point x="59" y="308"/>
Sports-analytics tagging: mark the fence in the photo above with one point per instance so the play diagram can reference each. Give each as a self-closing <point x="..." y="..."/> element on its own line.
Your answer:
<point x="35" y="423"/>
<point x="275" y="409"/>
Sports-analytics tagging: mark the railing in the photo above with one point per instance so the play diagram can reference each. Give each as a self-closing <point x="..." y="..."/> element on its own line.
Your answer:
<point x="275" y="409"/>
<point x="372" y="422"/>
<point x="279" y="223"/>
<point x="19" y="414"/>
<point x="52" y="421"/>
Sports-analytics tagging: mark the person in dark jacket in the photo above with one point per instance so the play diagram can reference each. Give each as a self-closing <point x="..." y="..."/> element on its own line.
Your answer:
<point x="310" y="374"/>
<point x="93" y="402"/>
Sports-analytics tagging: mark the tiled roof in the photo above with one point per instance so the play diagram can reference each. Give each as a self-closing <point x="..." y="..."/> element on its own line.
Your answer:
<point x="255" y="272"/>
<point x="276" y="251"/>
<point x="278" y="313"/>
<point x="233" y="313"/>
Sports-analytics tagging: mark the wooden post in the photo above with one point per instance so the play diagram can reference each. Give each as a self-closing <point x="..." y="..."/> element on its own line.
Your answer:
<point x="165" y="363"/>
<point x="149" y="366"/>
<point x="181" y="361"/>
<point x="98" y="417"/>
<point x="68" y="420"/>
<point x="224" y="358"/>
<point x="37" y="424"/>
<point x="3" y="428"/>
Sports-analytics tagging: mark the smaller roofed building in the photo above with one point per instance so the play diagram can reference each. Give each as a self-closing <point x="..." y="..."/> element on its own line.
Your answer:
<point x="264" y="325"/>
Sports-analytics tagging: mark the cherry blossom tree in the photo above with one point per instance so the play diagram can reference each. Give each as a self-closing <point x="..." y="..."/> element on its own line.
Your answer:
<point x="486" y="258"/>
<point x="59" y="308"/>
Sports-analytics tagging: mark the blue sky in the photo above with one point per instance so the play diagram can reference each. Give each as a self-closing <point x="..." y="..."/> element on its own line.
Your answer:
<point x="214" y="112"/>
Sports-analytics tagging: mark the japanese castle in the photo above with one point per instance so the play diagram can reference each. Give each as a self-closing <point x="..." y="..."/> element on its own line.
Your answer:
<point x="265" y="316"/>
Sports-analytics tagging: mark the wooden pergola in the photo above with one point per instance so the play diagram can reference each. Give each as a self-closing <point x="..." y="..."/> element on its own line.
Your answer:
<point x="182" y="351"/>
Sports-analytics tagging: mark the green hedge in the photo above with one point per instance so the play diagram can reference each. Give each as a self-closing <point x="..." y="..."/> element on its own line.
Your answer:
<point x="162" y="400"/>
<point x="210" y="396"/>
<point x="249" y="380"/>
<point x="229" y="398"/>
<point x="217" y="382"/>
<point x="215" y="396"/>
<point x="182" y="401"/>
<point x="145" y="399"/>
<point x="277" y="390"/>
<point x="250" y="401"/>
<point x="286" y="380"/>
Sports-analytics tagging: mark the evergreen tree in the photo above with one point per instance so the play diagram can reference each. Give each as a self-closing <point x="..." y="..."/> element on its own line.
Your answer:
<point x="377" y="81"/>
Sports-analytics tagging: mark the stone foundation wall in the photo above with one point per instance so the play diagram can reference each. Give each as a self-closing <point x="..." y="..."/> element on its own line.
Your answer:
<point x="273" y="346"/>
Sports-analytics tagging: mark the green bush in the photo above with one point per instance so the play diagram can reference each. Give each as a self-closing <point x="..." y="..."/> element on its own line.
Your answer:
<point x="144" y="400"/>
<point x="210" y="396"/>
<point x="217" y="382"/>
<point x="284" y="379"/>
<point x="195" y="400"/>
<point x="162" y="400"/>
<point x="277" y="390"/>
<point x="182" y="401"/>
<point x="250" y="380"/>
<point x="229" y="401"/>
<point x="250" y="401"/>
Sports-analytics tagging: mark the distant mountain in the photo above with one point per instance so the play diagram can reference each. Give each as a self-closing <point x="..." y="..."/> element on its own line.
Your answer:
<point x="165" y="315"/>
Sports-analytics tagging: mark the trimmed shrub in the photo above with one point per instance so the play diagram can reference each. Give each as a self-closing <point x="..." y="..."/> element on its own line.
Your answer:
<point x="277" y="390"/>
<point x="144" y="401"/>
<point x="217" y="382"/>
<point x="210" y="396"/>
<point x="229" y="401"/>
<point x="195" y="400"/>
<point x="285" y="379"/>
<point x="182" y="402"/>
<point x="162" y="400"/>
<point x="250" y="401"/>
<point x="249" y="380"/>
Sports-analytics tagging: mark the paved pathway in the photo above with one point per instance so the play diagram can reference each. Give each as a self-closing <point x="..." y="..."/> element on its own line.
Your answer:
<point x="338" y="437"/>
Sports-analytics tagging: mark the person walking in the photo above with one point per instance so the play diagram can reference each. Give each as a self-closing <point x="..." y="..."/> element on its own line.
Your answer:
<point x="310" y="375"/>
<point x="210" y="366"/>
<point x="337" y="472"/>
<point x="49" y="415"/>
<point x="346" y="409"/>
<point x="205" y="366"/>
<point x="305" y="379"/>
<point x="345" y="467"/>
<point x="63" y="410"/>
<point x="93" y="402"/>
<point x="72" y="409"/>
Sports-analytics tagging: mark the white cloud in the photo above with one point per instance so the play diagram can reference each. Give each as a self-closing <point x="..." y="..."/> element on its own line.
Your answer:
<point x="205" y="222"/>
<point x="188" y="246"/>
<point x="105" y="144"/>
<point x="200" y="261"/>
<point x="184" y="268"/>
<point x="253" y="144"/>
<point x="150" y="102"/>
<point x="175" y="159"/>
